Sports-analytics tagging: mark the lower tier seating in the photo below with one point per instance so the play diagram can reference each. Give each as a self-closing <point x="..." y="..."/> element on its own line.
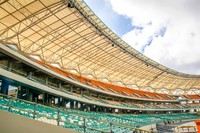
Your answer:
<point x="89" y="122"/>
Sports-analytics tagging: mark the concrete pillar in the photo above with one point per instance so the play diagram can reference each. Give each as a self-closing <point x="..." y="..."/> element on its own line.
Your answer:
<point x="81" y="106"/>
<point x="63" y="103"/>
<point x="30" y="75"/>
<point x="71" y="88"/>
<point x="97" y="109"/>
<point x="60" y="100"/>
<point x="76" y="104"/>
<point x="89" y="93"/>
<point x="30" y="95"/>
<point x="4" y="87"/>
<point x="88" y="108"/>
<point x="59" y="86"/>
<point x="104" y="109"/>
<point x="49" y="99"/>
<point x="10" y="64"/>
<point x="72" y="104"/>
<point x="44" y="98"/>
<point x="22" y="92"/>
<point x="81" y="92"/>
<point x="46" y="80"/>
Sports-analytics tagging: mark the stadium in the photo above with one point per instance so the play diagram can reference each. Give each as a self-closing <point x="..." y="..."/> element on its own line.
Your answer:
<point x="61" y="65"/>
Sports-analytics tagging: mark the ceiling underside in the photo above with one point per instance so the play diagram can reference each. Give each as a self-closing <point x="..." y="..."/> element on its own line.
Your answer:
<point x="71" y="36"/>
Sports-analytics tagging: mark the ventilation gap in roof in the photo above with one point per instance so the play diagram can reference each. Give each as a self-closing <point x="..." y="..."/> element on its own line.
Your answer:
<point x="35" y="57"/>
<point x="55" y="65"/>
<point x="119" y="83"/>
<point x="90" y="76"/>
<point x="73" y="71"/>
<point x="133" y="87"/>
<point x="12" y="46"/>
<point x="105" y="80"/>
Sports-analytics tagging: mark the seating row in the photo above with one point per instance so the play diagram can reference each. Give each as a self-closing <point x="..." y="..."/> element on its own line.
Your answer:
<point x="77" y="120"/>
<point x="108" y="87"/>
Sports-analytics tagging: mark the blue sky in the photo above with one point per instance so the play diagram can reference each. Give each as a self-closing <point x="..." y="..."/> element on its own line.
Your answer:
<point x="120" y="24"/>
<point x="166" y="31"/>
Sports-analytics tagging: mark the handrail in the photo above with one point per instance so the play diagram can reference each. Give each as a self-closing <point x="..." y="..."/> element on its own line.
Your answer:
<point x="49" y="71"/>
<point x="58" y="118"/>
<point x="113" y="104"/>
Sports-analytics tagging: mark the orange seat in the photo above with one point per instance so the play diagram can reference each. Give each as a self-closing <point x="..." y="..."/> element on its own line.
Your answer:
<point x="110" y="87"/>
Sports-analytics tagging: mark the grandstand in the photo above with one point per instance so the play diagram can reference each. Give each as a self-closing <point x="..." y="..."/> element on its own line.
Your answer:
<point x="60" y="64"/>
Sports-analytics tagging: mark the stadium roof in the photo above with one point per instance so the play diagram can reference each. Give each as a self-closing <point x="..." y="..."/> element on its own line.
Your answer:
<point x="66" y="33"/>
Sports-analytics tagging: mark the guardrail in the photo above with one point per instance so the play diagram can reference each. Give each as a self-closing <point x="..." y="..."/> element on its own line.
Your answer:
<point x="53" y="87"/>
<point x="62" y="117"/>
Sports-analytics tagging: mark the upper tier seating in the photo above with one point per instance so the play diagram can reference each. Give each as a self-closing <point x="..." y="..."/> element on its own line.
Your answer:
<point x="109" y="87"/>
<point x="193" y="97"/>
<point x="143" y="105"/>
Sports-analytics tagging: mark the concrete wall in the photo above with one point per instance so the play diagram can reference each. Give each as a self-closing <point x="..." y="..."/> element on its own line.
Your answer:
<point x="11" y="123"/>
<point x="198" y="113"/>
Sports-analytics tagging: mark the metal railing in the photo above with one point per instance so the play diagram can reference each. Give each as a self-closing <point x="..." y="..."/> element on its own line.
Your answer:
<point x="37" y="80"/>
<point x="56" y="116"/>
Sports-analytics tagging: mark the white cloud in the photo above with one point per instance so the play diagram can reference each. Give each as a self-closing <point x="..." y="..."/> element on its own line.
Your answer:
<point x="179" y="48"/>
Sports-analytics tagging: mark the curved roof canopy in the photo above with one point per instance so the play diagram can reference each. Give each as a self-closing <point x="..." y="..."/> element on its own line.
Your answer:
<point x="69" y="34"/>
